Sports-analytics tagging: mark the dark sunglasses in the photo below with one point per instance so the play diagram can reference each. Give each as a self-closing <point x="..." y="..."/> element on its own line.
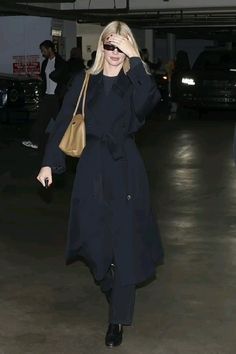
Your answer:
<point x="111" y="47"/>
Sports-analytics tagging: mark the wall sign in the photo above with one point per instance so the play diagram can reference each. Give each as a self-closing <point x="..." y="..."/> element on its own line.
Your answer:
<point x="26" y="64"/>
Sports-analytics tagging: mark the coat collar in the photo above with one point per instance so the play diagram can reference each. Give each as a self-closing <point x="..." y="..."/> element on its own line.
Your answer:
<point x="120" y="86"/>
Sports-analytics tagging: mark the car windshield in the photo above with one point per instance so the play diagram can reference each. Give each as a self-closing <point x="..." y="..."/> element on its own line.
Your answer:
<point x="216" y="60"/>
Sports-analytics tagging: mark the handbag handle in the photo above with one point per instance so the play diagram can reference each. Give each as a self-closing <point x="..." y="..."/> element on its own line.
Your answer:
<point x="82" y="93"/>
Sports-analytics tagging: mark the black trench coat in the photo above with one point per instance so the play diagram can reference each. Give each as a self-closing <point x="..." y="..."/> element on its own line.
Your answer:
<point x="110" y="217"/>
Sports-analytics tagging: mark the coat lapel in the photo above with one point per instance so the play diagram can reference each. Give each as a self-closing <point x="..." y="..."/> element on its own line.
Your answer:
<point x="95" y="94"/>
<point x="95" y="89"/>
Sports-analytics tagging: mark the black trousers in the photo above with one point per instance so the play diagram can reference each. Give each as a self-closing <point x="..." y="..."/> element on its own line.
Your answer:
<point x="122" y="299"/>
<point x="48" y="109"/>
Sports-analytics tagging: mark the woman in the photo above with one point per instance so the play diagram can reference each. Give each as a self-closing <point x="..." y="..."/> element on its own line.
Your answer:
<point x="111" y="225"/>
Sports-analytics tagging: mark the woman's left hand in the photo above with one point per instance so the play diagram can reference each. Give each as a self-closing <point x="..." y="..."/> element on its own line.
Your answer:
<point x="123" y="44"/>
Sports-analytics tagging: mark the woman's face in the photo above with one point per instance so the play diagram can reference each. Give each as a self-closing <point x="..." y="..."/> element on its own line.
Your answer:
<point x="112" y="55"/>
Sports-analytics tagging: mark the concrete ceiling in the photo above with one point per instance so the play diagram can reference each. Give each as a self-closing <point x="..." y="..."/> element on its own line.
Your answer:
<point x="192" y="22"/>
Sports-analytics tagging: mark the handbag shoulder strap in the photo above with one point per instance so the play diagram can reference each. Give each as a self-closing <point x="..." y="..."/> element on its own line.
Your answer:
<point x="83" y="92"/>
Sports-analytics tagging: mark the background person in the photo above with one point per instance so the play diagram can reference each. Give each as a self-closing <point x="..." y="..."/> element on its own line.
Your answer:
<point x="90" y="62"/>
<point x="54" y="80"/>
<point x="152" y="66"/>
<point x="75" y="63"/>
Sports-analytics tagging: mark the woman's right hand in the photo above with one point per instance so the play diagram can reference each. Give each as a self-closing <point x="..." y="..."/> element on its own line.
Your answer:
<point x="45" y="174"/>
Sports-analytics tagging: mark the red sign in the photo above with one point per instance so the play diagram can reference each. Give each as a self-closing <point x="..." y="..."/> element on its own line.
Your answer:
<point x="28" y="64"/>
<point x="32" y="64"/>
<point x="19" y="64"/>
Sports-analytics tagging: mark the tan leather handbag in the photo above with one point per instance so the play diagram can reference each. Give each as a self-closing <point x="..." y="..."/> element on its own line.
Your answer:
<point x="74" y="139"/>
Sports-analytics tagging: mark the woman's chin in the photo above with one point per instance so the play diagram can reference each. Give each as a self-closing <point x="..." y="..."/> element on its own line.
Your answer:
<point x="115" y="62"/>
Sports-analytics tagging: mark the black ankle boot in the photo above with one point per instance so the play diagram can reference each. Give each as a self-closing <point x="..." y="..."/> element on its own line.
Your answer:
<point x="114" y="335"/>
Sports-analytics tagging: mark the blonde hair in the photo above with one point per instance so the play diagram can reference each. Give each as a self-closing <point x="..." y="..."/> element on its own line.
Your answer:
<point x="119" y="28"/>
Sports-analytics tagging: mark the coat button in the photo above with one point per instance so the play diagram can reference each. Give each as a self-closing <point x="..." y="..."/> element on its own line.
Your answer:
<point x="128" y="197"/>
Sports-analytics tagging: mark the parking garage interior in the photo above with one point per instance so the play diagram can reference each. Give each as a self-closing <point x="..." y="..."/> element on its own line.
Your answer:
<point x="187" y="148"/>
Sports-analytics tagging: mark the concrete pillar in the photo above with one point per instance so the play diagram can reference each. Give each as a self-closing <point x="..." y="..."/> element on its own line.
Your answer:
<point x="70" y="33"/>
<point x="67" y="39"/>
<point x="171" y="45"/>
<point x="149" y="43"/>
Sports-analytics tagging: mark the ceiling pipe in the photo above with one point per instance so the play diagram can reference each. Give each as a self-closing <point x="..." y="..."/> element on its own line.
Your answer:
<point x="153" y="18"/>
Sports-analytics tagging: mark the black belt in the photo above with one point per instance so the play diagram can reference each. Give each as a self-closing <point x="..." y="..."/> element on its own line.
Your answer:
<point x="115" y="145"/>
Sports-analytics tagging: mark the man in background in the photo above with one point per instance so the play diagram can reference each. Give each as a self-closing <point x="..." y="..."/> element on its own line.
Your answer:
<point x="54" y="78"/>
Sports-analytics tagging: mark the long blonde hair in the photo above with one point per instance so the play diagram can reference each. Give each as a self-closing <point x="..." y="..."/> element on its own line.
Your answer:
<point x="113" y="27"/>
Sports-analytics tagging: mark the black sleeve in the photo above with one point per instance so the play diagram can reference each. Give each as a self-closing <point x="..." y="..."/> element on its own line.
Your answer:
<point x="42" y="69"/>
<point x="43" y="76"/>
<point x="60" y="74"/>
<point x="53" y="156"/>
<point x="145" y="92"/>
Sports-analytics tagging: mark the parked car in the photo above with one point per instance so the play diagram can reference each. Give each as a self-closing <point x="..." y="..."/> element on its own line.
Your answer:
<point x="18" y="93"/>
<point x="210" y="84"/>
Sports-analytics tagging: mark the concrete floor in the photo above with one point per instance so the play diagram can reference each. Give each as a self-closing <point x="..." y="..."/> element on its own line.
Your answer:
<point x="47" y="308"/>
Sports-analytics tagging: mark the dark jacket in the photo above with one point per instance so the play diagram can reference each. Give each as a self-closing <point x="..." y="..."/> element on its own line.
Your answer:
<point x="75" y="65"/>
<point x="111" y="218"/>
<point x="59" y="75"/>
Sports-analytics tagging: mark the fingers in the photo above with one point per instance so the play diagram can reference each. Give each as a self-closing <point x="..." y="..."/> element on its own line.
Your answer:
<point x="116" y="39"/>
<point x="124" y="44"/>
<point x="117" y="36"/>
<point x="41" y="180"/>
<point x="45" y="180"/>
<point x="49" y="181"/>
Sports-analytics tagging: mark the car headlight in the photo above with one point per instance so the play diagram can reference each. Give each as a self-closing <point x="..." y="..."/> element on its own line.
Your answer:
<point x="188" y="81"/>
<point x="3" y="98"/>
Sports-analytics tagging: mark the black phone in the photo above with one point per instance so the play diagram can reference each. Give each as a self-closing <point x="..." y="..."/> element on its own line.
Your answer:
<point x="46" y="182"/>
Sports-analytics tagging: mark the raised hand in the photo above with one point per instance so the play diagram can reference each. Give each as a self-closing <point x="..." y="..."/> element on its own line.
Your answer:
<point x="123" y="43"/>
